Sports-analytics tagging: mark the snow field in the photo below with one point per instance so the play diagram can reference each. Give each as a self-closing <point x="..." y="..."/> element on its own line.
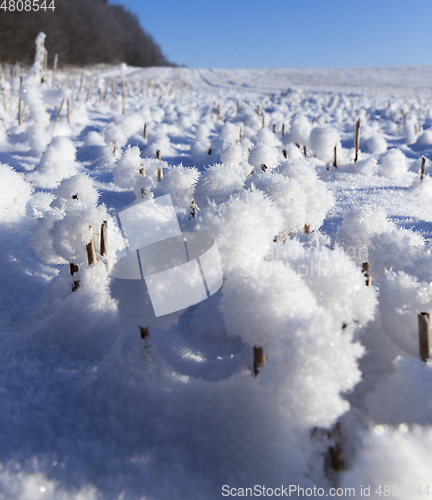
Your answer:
<point x="92" y="410"/>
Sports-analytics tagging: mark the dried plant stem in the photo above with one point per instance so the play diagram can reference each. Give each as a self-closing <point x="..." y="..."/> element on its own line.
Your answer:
<point x="73" y="270"/>
<point x="423" y="168"/>
<point x="144" y="332"/>
<point x="91" y="249"/>
<point x="123" y="97"/>
<point x="259" y="359"/>
<point x="58" y="113"/>
<point x="425" y="335"/>
<point x="104" y="238"/>
<point x="357" y="140"/>
<point x="80" y="86"/>
<point x="54" y="69"/>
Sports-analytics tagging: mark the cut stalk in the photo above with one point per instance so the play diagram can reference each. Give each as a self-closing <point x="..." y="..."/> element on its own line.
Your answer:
<point x="104" y="238"/>
<point x="54" y="69"/>
<point x="73" y="270"/>
<point x="145" y="131"/>
<point x="58" y="113"/>
<point x="423" y="168"/>
<point x="144" y="332"/>
<point x="123" y="97"/>
<point x="80" y="86"/>
<point x="357" y="140"/>
<point x="335" y="156"/>
<point x="259" y="359"/>
<point x="91" y="249"/>
<point x="365" y="270"/>
<point x="194" y="209"/>
<point x="158" y="154"/>
<point x="425" y="335"/>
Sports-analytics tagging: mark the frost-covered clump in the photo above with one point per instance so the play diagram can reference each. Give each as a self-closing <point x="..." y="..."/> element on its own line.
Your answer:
<point x="300" y="130"/>
<point x="287" y="194"/>
<point x="36" y="71"/>
<point x="393" y="164"/>
<point x="402" y="296"/>
<point x="127" y="168"/>
<point x="218" y="182"/>
<point x="159" y="142"/>
<point x="179" y="182"/>
<point x="201" y="147"/>
<point x="264" y="157"/>
<point x="422" y="187"/>
<point x="368" y="236"/>
<point x="334" y="278"/>
<point x="15" y="193"/>
<point x="375" y="144"/>
<point x="367" y="167"/>
<point x="319" y="198"/>
<point x="293" y="152"/>
<point x="62" y="233"/>
<point x="138" y="174"/>
<point x="323" y="140"/>
<point x="265" y="136"/>
<point x="230" y="133"/>
<point x="404" y="395"/>
<point x="424" y="139"/>
<point x="32" y="96"/>
<point x="114" y="139"/>
<point x="394" y="459"/>
<point x="58" y="162"/>
<point x="295" y="188"/>
<point x="244" y="227"/>
<point x="37" y="133"/>
<point x="232" y="154"/>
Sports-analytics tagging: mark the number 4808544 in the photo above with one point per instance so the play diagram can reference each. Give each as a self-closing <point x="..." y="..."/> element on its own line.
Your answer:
<point x="26" y="5"/>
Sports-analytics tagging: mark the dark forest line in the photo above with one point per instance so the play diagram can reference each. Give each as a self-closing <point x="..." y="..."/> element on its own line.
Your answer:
<point x="81" y="32"/>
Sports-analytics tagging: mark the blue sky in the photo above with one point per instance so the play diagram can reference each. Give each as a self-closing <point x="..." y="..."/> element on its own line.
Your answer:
<point x="289" y="33"/>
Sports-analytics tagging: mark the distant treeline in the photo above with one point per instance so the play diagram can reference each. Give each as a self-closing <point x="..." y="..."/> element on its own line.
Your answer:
<point x="81" y="32"/>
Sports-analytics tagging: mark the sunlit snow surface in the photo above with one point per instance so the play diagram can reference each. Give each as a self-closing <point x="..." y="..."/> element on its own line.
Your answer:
<point x="90" y="410"/>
